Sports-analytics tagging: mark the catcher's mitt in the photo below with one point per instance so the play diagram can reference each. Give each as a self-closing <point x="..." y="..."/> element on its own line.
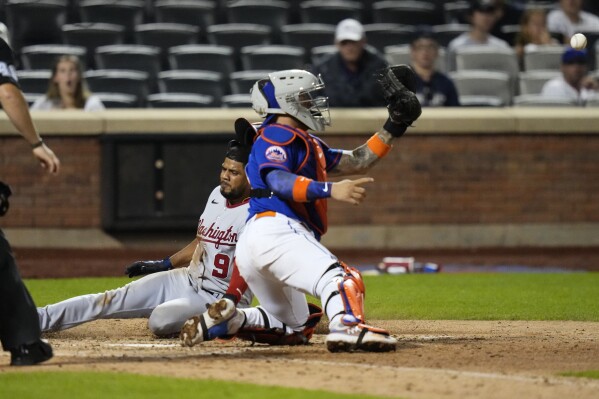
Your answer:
<point x="399" y="84"/>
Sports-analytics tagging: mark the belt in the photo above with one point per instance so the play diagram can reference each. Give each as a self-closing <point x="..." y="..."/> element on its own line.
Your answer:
<point x="265" y="214"/>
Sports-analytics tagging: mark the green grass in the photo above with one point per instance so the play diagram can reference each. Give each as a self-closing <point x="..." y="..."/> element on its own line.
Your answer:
<point x="47" y="291"/>
<point x="58" y="385"/>
<point x="504" y="296"/>
<point x="584" y="374"/>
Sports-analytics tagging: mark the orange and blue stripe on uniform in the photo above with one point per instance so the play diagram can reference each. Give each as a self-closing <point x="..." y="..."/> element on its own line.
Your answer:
<point x="281" y="147"/>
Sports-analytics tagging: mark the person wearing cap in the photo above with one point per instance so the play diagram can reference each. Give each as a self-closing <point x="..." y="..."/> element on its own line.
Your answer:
<point x="482" y="15"/>
<point x="348" y="73"/>
<point x="433" y="88"/>
<point x="569" y="19"/>
<point x="574" y="83"/>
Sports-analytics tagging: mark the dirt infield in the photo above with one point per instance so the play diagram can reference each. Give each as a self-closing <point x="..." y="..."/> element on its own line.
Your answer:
<point x="435" y="359"/>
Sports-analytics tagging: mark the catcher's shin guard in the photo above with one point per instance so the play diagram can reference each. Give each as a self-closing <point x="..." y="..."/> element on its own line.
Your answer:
<point x="352" y="292"/>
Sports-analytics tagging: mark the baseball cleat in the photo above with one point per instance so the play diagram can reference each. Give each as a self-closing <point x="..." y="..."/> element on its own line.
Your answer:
<point x="30" y="354"/>
<point x="220" y="319"/>
<point x="345" y="338"/>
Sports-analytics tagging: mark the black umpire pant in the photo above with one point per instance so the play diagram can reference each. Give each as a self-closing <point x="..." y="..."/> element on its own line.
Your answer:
<point x="19" y="322"/>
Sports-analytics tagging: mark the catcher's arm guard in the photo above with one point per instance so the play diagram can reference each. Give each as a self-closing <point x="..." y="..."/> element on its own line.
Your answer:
<point x="398" y="83"/>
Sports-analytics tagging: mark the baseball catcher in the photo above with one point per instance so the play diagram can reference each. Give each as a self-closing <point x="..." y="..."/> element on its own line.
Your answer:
<point x="399" y="86"/>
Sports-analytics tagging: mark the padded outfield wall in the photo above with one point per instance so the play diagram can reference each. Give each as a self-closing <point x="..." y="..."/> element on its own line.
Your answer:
<point x="462" y="178"/>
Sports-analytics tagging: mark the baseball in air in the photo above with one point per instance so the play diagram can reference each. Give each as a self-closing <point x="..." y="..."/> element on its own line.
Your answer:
<point x="578" y="41"/>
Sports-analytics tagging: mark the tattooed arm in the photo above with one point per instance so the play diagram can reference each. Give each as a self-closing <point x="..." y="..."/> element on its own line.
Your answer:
<point x="365" y="156"/>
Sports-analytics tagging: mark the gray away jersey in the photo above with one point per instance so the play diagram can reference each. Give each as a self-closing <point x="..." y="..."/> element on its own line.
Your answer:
<point x="219" y="228"/>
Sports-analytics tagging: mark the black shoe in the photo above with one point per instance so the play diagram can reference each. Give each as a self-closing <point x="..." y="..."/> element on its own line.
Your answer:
<point x="30" y="354"/>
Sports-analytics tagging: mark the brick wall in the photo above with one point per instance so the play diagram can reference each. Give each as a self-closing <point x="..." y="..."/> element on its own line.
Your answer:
<point x="426" y="179"/>
<point x="70" y="199"/>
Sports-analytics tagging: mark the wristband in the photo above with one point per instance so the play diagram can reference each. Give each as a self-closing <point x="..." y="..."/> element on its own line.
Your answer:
<point x="378" y="146"/>
<point x="395" y="129"/>
<point x="38" y="144"/>
<point x="167" y="262"/>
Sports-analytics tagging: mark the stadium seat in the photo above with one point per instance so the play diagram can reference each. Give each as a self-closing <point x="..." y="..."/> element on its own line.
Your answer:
<point x="308" y="35"/>
<point x="543" y="58"/>
<point x="242" y="81"/>
<point x="480" y="101"/>
<point x="118" y="100"/>
<point x="119" y="81"/>
<point x="179" y="100"/>
<point x="206" y="57"/>
<point x="277" y="57"/>
<point x="193" y="82"/>
<point x="190" y="12"/>
<point x="382" y="35"/>
<point x="406" y="12"/>
<point x="320" y="53"/>
<point x="237" y="101"/>
<point x="444" y="34"/>
<point x="456" y="12"/>
<point x="531" y="82"/>
<point x="92" y="35"/>
<point x="330" y="12"/>
<point x="127" y="13"/>
<point x="592" y="42"/>
<point x="34" y="82"/>
<point x="135" y="57"/>
<point x="239" y="35"/>
<point x="35" y="21"/>
<point x="483" y="83"/>
<point x="273" y="14"/>
<point x="31" y="98"/>
<point x="509" y="33"/>
<point x="165" y="36"/>
<point x="42" y="56"/>
<point x="489" y="58"/>
<point x="401" y="55"/>
<point x="536" y="100"/>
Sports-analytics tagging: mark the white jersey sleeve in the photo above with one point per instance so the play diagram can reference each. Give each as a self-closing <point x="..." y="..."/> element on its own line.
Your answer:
<point x="219" y="228"/>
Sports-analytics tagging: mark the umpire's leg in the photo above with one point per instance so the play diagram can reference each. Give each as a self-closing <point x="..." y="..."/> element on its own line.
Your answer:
<point x="19" y="322"/>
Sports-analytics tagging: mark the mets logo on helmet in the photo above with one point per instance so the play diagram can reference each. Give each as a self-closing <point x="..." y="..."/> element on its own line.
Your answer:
<point x="276" y="154"/>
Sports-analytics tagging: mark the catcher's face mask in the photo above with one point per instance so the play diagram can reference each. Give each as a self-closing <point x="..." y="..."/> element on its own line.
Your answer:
<point x="293" y="92"/>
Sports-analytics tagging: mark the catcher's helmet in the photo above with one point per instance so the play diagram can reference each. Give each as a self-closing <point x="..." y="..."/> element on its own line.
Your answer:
<point x="292" y="92"/>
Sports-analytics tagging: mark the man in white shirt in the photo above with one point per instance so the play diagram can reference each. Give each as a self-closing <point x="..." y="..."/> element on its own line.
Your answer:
<point x="574" y="84"/>
<point x="482" y="19"/>
<point x="569" y="19"/>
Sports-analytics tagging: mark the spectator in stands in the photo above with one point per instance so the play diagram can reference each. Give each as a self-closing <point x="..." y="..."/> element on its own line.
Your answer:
<point x="533" y="32"/>
<point x="482" y="19"/>
<point x="569" y="19"/>
<point x="348" y="73"/>
<point x="433" y="88"/>
<point x="574" y="84"/>
<point x="505" y="14"/>
<point x="67" y="88"/>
